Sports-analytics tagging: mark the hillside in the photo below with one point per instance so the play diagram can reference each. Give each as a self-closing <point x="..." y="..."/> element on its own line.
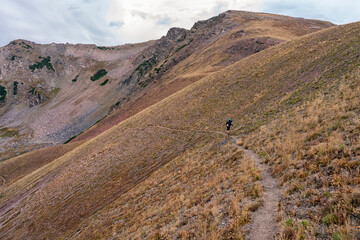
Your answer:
<point x="212" y="45"/>
<point x="51" y="93"/>
<point x="168" y="171"/>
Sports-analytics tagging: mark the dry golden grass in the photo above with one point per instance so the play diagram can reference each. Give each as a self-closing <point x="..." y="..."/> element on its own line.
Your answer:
<point x="315" y="151"/>
<point x="206" y="194"/>
<point x="122" y="171"/>
<point x="108" y="168"/>
<point x="18" y="167"/>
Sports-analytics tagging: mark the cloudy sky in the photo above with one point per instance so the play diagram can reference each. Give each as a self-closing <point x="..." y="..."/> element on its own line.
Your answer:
<point x="115" y="22"/>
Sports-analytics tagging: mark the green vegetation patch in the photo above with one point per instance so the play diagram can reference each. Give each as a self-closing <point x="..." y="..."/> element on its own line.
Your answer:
<point x="99" y="74"/>
<point x="289" y="222"/>
<point x="33" y="90"/>
<point x="145" y="66"/>
<point x="25" y="45"/>
<point x="45" y="62"/>
<point x="15" y="87"/>
<point x="181" y="47"/>
<point x="104" y="82"/>
<point x="8" y="132"/>
<point x="106" y="48"/>
<point x="329" y="219"/>
<point x="3" y="93"/>
<point x="75" y="78"/>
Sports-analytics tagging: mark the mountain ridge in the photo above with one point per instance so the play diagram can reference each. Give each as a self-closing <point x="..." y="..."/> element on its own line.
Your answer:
<point x="167" y="172"/>
<point x="48" y="85"/>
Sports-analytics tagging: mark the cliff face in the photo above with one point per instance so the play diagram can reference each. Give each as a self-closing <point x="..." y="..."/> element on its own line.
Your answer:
<point x="50" y="93"/>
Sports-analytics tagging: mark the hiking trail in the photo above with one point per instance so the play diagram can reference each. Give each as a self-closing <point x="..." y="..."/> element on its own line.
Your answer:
<point x="4" y="181"/>
<point x="263" y="224"/>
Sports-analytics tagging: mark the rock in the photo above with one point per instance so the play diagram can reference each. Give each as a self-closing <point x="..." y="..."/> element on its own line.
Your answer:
<point x="177" y="34"/>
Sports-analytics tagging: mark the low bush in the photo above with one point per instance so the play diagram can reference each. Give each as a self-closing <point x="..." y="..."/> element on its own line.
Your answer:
<point x="2" y="94"/>
<point x="15" y="87"/>
<point x="99" y="74"/>
<point x="104" y="82"/>
<point x="45" y="62"/>
<point x="75" y="78"/>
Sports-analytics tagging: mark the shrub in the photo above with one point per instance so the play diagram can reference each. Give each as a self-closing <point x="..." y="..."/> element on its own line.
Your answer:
<point x="8" y="132"/>
<point x="104" y="82"/>
<point x="32" y="90"/>
<point x="181" y="47"/>
<point x="2" y="94"/>
<point x="45" y="62"/>
<point x="337" y="236"/>
<point x="99" y="74"/>
<point x="329" y="219"/>
<point x="289" y="222"/>
<point x="75" y="79"/>
<point x="146" y="66"/>
<point x="106" y="48"/>
<point x="305" y="223"/>
<point x="24" y="45"/>
<point x="15" y="87"/>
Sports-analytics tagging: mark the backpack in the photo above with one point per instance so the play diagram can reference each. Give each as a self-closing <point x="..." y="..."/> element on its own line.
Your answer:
<point x="229" y="123"/>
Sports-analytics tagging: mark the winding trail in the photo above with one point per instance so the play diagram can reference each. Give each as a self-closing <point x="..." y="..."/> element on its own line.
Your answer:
<point x="263" y="224"/>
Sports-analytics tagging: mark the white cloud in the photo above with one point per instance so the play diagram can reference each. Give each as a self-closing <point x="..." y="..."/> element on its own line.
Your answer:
<point x="43" y="21"/>
<point x="114" y="22"/>
<point x="339" y="12"/>
<point x="145" y="20"/>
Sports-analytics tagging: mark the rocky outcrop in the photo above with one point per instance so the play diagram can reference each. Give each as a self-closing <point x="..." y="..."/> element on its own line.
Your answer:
<point x="177" y="34"/>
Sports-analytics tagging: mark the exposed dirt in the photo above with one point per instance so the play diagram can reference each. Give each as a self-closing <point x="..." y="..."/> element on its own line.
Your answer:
<point x="4" y="181"/>
<point x="263" y="223"/>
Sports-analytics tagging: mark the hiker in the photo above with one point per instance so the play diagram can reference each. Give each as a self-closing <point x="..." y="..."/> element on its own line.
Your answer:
<point x="228" y="125"/>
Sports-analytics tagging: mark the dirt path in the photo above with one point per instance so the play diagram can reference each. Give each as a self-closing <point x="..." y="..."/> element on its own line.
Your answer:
<point x="263" y="223"/>
<point x="4" y="181"/>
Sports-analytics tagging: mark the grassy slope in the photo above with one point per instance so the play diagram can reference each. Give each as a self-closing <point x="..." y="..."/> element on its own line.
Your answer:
<point x="207" y="193"/>
<point x="15" y="168"/>
<point x="300" y="71"/>
<point x="253" y="91"/>
<point x="305" y="94"/>
<point x="210" y="58"/>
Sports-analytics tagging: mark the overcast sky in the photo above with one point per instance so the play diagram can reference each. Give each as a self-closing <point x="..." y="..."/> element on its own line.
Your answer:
<point x="115" y="22"/>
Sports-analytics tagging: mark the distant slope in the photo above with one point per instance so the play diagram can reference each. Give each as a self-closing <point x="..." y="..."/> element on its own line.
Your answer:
<point x="118" y="183"/>
<point x="48" y="92"/>
<point x="20" y="166"/>
<point x="209" y="46"/>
